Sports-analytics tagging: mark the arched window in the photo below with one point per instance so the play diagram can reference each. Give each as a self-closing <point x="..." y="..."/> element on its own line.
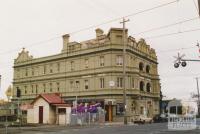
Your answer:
<point x="141" y="86"/>
<point x="141" y="66"/>
<point x="148" y="87"/>
<point x="147" y="69"/>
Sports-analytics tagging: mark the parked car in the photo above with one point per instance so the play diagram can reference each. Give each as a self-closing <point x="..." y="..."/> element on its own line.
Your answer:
<point x="160" y="118"/>
<point x="141" y="119"/>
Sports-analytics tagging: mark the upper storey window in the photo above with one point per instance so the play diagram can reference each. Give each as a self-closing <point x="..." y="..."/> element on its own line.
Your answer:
<point x="33" y="72"/>
<point x="86" y="84"/>
<point x="26" y="72"/>
<point x="86" y="63"/>
<point x="45" y="69"/>
<point x="101" y="61"/>
<point x="148" y="87"/>
<point x="51" y="68"/>
<point x="18" y="73"/>
<point x="119" y="82"/>
<point x="119" y="60"/>
<point x="58" y="67"/>
<point x="141" y="86"/>
<point x="147" y="69"/>
<point x="141" y="66"/>
<point x="72" y="65"/>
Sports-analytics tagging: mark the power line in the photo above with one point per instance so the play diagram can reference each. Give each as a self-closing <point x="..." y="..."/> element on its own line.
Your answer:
<point x="130" y="15"/>
<point x="169" y="34"/>
<point x="31" y="45"/>
<point x="172" y="50"/>
<point x="166" y="26"/>
<point x="93" y="26"/>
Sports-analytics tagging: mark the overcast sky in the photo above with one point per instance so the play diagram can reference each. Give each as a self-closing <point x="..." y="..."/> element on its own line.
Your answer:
<point x="30" y="23"/>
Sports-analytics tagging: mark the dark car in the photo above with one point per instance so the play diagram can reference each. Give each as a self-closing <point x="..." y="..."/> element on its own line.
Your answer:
<point x="160" y="118"/>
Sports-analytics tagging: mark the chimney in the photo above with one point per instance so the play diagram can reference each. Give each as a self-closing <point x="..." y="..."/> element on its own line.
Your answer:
<point x="65" y="41"/>
<point x="99" y="32"/>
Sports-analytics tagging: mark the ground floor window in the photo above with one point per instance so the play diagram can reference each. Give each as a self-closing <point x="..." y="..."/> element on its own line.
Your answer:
<point x="119" y="109"/>
<point x="141" y="110"/>
<point x="62" y="111"/>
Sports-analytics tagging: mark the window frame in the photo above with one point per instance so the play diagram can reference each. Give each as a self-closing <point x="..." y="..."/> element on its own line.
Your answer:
<point x="119" y="60"/>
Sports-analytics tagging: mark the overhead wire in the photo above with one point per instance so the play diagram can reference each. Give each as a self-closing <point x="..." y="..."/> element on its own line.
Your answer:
<point x="129" y="15"/>
<point x="174" y="33"/>
<point x="166" y="26"/>
<point x="172" y="50"/>
<point x="93" y="26"/>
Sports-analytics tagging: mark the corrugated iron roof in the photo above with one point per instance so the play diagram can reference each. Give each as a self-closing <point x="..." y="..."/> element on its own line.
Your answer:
<point x="51" y="98"/>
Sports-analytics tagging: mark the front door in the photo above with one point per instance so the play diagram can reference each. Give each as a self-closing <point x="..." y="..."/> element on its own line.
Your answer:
<point x="109" y="113"/>
<point x="40" y="114"/>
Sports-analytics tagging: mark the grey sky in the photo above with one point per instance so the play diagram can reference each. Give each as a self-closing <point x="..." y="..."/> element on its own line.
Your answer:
<point x="24" y="23"/>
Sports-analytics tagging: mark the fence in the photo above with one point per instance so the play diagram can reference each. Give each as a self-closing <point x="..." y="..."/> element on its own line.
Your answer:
<point x="183" y="122"/>
<point x="87" y="118"/>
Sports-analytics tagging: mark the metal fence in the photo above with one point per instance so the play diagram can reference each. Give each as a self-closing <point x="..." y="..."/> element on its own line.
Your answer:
<point x="87" y="118"/>
<point x="182" y="122"/>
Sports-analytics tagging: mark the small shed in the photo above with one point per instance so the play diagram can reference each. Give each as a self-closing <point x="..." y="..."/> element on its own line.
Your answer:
<point x="45" y="109"/>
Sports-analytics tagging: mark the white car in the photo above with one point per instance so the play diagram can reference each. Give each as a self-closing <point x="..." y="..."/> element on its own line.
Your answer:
<point x="141" y="119"/>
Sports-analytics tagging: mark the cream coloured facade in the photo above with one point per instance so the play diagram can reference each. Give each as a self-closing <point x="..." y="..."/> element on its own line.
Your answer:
<point x="49" y="117"/>
<point x="92" y="71"/>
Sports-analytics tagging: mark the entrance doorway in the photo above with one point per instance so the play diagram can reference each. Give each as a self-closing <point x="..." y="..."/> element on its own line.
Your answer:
<point x="41" y="114"/>
<point x="109" y="113"/>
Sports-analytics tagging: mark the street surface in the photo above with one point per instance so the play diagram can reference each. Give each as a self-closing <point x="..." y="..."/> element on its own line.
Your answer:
<point x="155" y="128"/>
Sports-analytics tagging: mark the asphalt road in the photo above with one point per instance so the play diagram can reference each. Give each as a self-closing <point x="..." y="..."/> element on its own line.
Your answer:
<point x="155" y="128"/>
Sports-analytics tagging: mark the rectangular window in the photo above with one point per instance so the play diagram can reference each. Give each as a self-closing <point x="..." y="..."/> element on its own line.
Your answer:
<point x="58" y="86"/>
<point x="119" y="82"/>
<point x="61" y="110"/>
<point x="77" y="84"/>
<point x="132" y="83"/>
<point x="50" y="87"/>
<point x="45" y="68"/>
<point x="142" y="110"/>
<point x="119" y="60"/>
<point x="38" y="71"/>
<point x="72" y="65"/>
<point x="71" y="85"/>
<point x="51" y="68"/>
<point x="32" y="88"/>
<point x="58" y="67"/>
<point x="25" y="89"/>
<point x="119" y="109"/>
<point x="36" y="89"/>
<point x="102" y="83"/>
<point x="26" y="73"/>
<point x="18" y="73"/>
<point x="86" y="84"/>
<point x="86" y="63"/>
<point x="33" y="72"/>
<point x="101" y="61"/>
<point x="44" y="87"/>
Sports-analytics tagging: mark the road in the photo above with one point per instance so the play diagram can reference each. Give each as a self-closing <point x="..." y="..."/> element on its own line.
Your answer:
<point x="155" y="128"/>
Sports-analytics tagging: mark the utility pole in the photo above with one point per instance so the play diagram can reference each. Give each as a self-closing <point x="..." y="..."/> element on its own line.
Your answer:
<point x="199" y="7"/>
<point x="198" y="102"/>
<point x="124" y="70"/>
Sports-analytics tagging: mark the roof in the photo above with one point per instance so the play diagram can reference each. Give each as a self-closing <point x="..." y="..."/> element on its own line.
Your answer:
<point x="51" y="98"/>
